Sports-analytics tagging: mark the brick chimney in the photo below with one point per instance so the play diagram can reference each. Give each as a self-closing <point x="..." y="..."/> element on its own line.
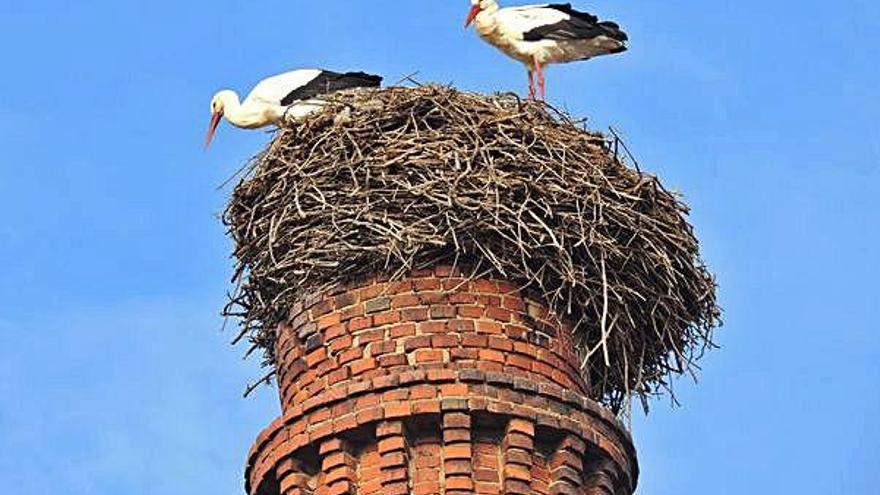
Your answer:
<point x="434" y="384"/>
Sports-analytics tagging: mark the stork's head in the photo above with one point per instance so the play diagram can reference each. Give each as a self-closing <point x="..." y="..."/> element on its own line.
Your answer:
<point x="478" y="6"/>
<point x="218" y="107"/>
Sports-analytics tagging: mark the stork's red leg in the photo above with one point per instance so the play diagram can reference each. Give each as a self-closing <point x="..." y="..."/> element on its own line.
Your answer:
<point x="540" y="70"/>
<point x="541" y="84"/>
<point x="531" y="85"/>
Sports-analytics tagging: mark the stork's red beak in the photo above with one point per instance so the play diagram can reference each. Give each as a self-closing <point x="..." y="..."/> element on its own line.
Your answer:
<point x="215" y="121"/>
<point x="475" y="10"/>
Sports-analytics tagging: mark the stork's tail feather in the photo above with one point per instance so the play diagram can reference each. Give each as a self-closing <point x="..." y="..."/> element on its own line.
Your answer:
<point x="364" y="80"/>
<point x="613" y="31"/>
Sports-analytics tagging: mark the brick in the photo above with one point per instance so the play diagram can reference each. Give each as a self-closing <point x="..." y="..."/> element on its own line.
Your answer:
<point x="389" y="428"/>
<point x="444" y="340"/>
<point x="323" y="308"/>
<point x="456" y="436"/>
<point x="438" y="312"/>
<point x="329" y="320"/>
<point x="393" y="461"/>
<point x="378" y="304"/>
<point x="459" y="354"/>
<point x="459" y="325"/>
<point x="386" y="318"/>
<point x="491" y="355"/>
<point x="456" y="420"/>
<point x="405" y="301"/>
<point x="474" y="340"/>
<point x="426" y="407"/>
<point x="454" y="390"/>
<point x="390" y="360"/>
<point x="426" y="284"/>
<point x="485" y="286"/>
<point x="370" y="336"/>
<point x="414" y="314"/>
<point x="470" y="311"/>
<point x="360" y="323"/>
<point x="315" y="357"/>
<point x="396" y="394"/>
<point x="457" y="451"/>
<point x="454" y="404"/>
<point x="399" y="287"/>
<point x="432" y="326"/>
<point x="429" y="356"/>
<point x="423" y="392"/>
<point x="350" y="355"/>
<point x="404" y="330"/>
<point x="370" y="415"/>
<point x="397" y="409"/>
<point x="517" y="425"/>
<point x="420" y="342"/>
<point x="340" y="344"/>
<point x="363" y="365"/>
<point x="391" y="444"/>
<point x="338" y="376"/>
<point x="459" y="483"/>
<point x="484" y="326"/>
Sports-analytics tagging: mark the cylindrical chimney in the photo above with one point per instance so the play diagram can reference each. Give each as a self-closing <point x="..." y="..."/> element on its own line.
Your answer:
<point x="434" y="384"/>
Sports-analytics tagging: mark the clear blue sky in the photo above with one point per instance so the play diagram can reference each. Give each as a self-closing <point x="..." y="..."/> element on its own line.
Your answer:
<point x="115" y="378"/>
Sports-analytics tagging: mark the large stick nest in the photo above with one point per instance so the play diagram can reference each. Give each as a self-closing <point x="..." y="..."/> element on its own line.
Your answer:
<point x="387" y="181"/>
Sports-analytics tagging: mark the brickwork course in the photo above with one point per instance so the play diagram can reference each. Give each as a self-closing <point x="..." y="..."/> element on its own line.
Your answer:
<point x="434" y="384"/>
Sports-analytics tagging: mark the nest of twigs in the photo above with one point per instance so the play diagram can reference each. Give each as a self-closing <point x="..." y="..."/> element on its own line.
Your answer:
<point x="392" y="180"/>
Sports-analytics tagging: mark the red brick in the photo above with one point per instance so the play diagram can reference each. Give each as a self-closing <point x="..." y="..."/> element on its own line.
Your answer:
<point x="420" y="342"/>
<point x="386" y="318"/>
<point x="485" y="286"/>
<point x="444" y="340"/>
<point x="405" y="301"/>
<point x="491" y="355"/>
<point x="454" y="390"/>
<point x="457" y="451"/>
<point x="429" y="356"/>
<point x="404" y="330"/>
<point x="370" y="336"/>
<point x="390" y="360"/>
<point x="426" y="284"/>
<point x="426" y="407"/>
<point x="474" y="340"/>
<point x="499" y="314"/>
<point x="350" y="355"/>
<point x="329" y="320"/>
<point x="470" y="311"/>
<point x="484" y="326"/>
<point x="360" y="323"/>
<point x="423" y="392"/>
<point x="438" y="312"/>
<point x="432" y="326"/>
<point x="414" y="314"/>
<point x="397" y="409"/>
<point x="362" y="365"/>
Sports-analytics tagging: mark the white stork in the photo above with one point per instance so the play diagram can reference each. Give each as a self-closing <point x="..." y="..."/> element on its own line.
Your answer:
<point x="539" y="35"/>
<point x="294" y="94"/>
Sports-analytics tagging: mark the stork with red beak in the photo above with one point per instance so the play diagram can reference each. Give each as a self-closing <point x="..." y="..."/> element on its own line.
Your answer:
<point x="540" y="35"/>
<point x="293" y="94"/>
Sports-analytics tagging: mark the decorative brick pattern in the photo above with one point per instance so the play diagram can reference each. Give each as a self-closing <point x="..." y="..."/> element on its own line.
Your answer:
<point x="434" y="385"/>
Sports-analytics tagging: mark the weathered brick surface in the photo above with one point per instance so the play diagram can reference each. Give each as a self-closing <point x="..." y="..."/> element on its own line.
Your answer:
<point x="434" y="385"/>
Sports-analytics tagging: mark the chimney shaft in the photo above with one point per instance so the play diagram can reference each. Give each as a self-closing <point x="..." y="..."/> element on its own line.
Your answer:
<point x="435" y="384"/>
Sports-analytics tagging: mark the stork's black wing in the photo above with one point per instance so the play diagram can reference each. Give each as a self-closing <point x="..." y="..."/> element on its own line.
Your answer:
<point x="579" y="26"/>
<point x="328" y="82"/>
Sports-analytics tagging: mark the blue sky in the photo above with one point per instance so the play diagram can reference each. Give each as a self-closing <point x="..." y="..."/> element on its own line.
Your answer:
<point x="115" y="376"/>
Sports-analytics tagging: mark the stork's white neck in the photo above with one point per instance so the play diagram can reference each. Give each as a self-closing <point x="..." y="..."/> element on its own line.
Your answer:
<point x="485" y="21"/>
<point x="251" y="115"/>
